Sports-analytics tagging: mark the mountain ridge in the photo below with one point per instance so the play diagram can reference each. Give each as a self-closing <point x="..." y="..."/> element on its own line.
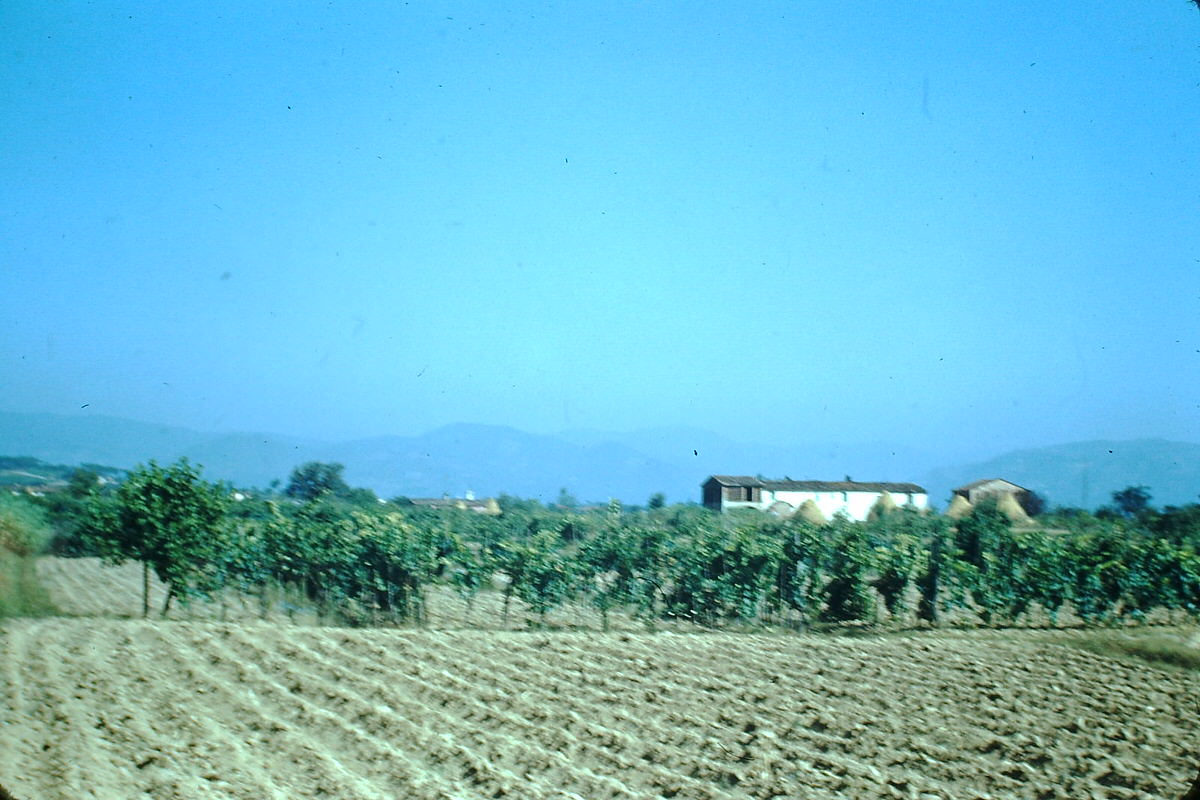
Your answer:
<point x="595" y="465"/>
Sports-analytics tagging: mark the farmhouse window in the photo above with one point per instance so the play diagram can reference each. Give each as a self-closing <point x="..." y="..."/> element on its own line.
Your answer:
<point x="743" y="494"/>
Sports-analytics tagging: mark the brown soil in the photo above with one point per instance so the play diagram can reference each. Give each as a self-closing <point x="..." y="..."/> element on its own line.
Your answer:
<point x="122" y="708"/>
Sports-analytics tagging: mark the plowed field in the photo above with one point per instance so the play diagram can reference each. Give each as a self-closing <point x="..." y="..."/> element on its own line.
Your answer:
<point x="121" y="708"/>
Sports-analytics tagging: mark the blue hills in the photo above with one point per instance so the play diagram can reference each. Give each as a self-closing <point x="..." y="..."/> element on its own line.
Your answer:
<point x="597" y="465"/>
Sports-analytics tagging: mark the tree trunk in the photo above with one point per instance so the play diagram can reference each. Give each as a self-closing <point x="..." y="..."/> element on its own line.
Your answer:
<point x="145" y="589"/>
<point x="167" y="602"/>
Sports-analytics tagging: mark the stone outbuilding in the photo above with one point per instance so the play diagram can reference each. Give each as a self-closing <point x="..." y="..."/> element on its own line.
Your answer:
<point x="991" y="487"/>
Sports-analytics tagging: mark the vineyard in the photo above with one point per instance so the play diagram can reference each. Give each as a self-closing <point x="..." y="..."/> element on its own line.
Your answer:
<point x="350" y="650"/>
<point x="105" y="707"/>
<point x="360" y="562"/>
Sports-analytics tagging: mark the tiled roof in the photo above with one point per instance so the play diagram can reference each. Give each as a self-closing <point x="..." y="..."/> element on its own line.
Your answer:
<point x="736" y="480"/>
<point x="818" y="486"/>
<point x="844" y="486"/>
<point x="981" y="482"/>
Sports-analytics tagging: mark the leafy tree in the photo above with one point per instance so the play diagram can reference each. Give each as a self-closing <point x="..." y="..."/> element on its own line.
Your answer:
<point x="848" y="594"/>
<point x="1132" y="500"/>
<point x="566" y="499"/>
<point x="314" y="479"/>
<point x="1178" y="525"/>
<point x="1032" y="503"/>
<point x="171" y="521"/>
<point x="657" y="500"/>
<point x="511" y="504"/>
<point x="65" y="509"/>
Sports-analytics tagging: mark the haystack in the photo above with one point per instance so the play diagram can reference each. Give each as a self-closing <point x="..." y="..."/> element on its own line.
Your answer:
<point x="809" y="512"/>
<point x="1008" y="504"/>
<point x="781" y="509"/>
<point x="884" y="505"/>
<point x="959" y="507"/>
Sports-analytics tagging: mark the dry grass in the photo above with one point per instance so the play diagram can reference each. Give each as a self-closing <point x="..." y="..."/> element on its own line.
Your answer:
<point x="1176" y="647"/>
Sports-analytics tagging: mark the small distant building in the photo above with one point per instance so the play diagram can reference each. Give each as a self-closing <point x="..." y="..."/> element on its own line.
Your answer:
<point x="991" y="487"/>
<point x="1010" y="498"/>
<point x="854" y="499"/>
<point x="487" y="506"/>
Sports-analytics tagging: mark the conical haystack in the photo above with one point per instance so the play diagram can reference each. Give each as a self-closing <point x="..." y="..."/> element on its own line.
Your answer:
<point x="809" y="512"/>
<point x="884" y="505"/>
<point x="959" y="507"/>
<point x="781" y="509"/>
<point x="1008" y="504"/>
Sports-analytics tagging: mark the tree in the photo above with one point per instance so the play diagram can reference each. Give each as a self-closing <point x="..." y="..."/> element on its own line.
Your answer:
<point x="64" y="510"/>
<point x="171" y="521"/>
<point x="1032" y="503"/>
<point x="657" y="500"/>
<point x="314" y="479"/>
<point x="1132" y="500"/>
<point x="566" y="499"/>
<point x="984" y="541"/>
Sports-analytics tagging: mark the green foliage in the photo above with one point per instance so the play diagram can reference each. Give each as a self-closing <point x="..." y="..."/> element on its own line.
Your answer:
<point x="608" y="566"/>
<point x="510" y="504"/>
<point x="24" y="532"/>
<point x="848" y="594"/>
<point x="395" y="563"/>
<point x="21" y="595"/>
<point x="171" y="521"/>
<point x="1178" y="525"/>
<point x="1132" y="500"/>
<point x="65" y="509"/>
<point x="566" y="499"/>
<point x="728" y="570"/>
<point x="24" y="529"/>
<point x="804" y="568"/>
<point x="355" y="560"/>
<point x="313" y="479"/>
<point x="536" y="571"/>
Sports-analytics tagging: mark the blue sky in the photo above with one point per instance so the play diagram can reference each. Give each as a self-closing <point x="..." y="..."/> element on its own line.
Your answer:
<point x="967" y="225"/>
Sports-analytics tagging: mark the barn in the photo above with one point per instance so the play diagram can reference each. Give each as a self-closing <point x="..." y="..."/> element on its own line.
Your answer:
<point x="991" y="487"/>
<point x="854" y="499"/>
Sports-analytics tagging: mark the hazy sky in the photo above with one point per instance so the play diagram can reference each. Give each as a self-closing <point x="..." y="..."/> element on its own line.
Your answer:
<point x="917" y="222"/>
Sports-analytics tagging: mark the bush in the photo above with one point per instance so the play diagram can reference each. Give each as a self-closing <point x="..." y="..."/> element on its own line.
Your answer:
<point x="20" y="593"/>
<point x="23" y="527"/>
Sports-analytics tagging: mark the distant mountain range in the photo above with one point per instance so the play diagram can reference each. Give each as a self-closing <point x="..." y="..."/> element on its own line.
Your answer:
<point x="596" y="465"/>
<point x="1085" y="474"/>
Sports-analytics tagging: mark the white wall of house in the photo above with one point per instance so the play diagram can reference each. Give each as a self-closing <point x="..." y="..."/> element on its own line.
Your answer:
<point x="855" y="505"/>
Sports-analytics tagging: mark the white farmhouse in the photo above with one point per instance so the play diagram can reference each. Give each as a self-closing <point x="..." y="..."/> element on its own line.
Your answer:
<point x="854" y="499"/>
